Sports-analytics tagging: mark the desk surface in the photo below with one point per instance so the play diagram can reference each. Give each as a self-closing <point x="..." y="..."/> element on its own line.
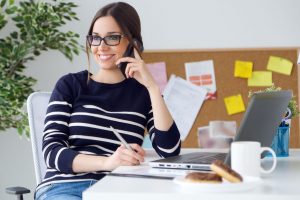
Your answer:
<point x="283" y="183"/>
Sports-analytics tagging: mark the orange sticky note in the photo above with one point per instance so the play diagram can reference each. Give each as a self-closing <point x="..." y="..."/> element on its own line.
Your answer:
<point x="234" y="104"/>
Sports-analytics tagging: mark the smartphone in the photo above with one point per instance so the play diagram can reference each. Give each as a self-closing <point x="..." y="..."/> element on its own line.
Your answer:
<point x="129" y="53"/>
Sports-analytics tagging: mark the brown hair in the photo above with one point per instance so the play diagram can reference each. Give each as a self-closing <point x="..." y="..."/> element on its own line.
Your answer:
<point x="126" y="17"/>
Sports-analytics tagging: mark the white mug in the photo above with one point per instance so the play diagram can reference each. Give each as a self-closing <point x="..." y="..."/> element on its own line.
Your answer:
<point x="246" y="158"/>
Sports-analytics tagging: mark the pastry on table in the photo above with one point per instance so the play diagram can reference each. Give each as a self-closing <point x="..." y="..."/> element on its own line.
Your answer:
<point x="202" y="177"/>
<point x="226" y="172"/>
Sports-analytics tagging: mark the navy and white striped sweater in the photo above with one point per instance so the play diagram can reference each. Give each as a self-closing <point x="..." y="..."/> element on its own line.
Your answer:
<point x="78" y="118"/>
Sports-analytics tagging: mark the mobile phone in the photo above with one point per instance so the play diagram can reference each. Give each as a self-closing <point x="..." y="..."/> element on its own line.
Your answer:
<point x="129" y="53"/>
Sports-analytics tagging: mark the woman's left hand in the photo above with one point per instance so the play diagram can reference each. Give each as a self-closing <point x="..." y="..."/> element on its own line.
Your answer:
<point x="136" y="68"/>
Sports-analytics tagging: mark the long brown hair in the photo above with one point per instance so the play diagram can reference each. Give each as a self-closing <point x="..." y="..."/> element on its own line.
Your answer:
<point x="126" y="17"/>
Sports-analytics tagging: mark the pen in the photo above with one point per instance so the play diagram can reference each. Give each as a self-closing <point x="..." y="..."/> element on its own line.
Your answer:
<point x="121" y="139"/>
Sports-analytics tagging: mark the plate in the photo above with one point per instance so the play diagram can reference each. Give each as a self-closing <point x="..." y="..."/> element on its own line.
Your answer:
<point x="247" y="184"/>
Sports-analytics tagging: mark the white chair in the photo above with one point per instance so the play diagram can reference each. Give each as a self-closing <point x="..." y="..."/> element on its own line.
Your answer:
<point x="37" y="104"/>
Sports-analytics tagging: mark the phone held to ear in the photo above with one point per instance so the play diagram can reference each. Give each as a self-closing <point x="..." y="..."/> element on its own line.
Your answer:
<point x="129" y="53"/>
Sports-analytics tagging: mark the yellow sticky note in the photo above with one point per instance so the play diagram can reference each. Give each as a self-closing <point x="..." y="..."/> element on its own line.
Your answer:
<point x="243" y="69"/>
<point x="280" y="65"/>
<point x="260" y="78"/>
<point x="234" y="104"/>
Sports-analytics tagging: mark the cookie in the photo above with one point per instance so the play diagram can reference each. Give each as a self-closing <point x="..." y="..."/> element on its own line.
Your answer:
<point x="226" y="172"/>
<point x="201" y="177"/>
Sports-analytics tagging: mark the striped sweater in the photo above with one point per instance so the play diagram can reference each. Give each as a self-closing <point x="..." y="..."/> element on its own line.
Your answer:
<point x="78" y="118"/>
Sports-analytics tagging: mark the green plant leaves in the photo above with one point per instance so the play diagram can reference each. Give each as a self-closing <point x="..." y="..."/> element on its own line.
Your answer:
<point x="2" y="4"/>
<point x="38" y="29"/>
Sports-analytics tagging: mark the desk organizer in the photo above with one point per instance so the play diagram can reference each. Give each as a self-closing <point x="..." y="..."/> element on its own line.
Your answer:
<point x="281" y="141"/>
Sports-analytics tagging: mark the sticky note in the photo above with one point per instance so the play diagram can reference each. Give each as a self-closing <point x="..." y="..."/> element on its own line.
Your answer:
<point x="234" y="104"/>
<point x="159" y="74"/>
<point x="260" y="78"/>
<point x="280" y="65"/>
<point x="243" y="69"/>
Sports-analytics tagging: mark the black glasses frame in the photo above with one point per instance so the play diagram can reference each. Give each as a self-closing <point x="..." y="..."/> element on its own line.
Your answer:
<point x="89" y="38"/>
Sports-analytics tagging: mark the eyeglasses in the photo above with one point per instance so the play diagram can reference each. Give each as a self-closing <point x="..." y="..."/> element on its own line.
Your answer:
<point x="110" y="40"/>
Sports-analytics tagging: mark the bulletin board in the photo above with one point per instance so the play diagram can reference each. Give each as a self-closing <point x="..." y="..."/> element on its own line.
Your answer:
<point x="227" y="84"/>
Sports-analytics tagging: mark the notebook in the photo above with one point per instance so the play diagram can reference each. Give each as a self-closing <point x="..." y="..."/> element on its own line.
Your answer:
<point x="260" y="122"/>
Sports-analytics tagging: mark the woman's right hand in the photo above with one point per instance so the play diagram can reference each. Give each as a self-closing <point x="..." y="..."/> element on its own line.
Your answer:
<point x="123" y="156"/>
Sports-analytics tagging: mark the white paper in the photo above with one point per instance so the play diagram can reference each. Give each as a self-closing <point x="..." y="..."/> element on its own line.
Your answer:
<point x="184" y="101"/>
<point x="298" y="58"/>
<point x="145" y="169"/>
<point x="202" y="74"/>
<point x="223" y="129"/>
<point x="208" y="142"/>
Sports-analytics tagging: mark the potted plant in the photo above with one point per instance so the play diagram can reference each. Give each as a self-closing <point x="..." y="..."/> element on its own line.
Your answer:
<point x="36" y="30"/>
<point x="280" y="142"/>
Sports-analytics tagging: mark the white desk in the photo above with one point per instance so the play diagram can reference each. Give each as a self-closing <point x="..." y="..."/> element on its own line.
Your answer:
<point x="283" y="183"/>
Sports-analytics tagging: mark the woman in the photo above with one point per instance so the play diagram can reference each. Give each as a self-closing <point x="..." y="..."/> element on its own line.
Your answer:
<point x="78" y="143"/>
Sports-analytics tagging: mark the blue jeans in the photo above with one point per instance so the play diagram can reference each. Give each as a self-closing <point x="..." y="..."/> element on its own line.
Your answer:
<point x="63" y="191"/>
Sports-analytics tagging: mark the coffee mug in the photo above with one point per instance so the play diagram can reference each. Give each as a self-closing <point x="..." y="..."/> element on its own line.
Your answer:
<point x="246" y="158"/>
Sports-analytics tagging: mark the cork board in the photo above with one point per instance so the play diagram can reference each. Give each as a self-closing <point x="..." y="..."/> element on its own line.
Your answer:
<point x="227" y="84"/>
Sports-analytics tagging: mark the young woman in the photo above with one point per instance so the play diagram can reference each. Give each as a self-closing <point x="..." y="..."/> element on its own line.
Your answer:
<point x="78" y="143"/>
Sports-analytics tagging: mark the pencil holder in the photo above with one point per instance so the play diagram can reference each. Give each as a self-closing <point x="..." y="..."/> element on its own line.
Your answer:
<point x="281" y="141"/>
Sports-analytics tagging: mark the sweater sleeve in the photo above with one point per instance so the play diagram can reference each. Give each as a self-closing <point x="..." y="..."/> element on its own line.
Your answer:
<point x="166" y="143"/>
<point x="56" y="151"/>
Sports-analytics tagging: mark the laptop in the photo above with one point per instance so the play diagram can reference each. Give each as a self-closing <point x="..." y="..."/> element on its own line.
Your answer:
<point x="260" y="122"/>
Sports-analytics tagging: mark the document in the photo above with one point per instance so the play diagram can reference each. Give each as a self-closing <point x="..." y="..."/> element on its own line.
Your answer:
<point x="184" y="101"/>
<point x="234" y="104"/>
<point x="202" y="74"/>
<point x="243" y="69"/>
<point x="159" y="73"/>
<point x="146" y="171"/>
<point x="260" y="78"/>
<point x="298" y="62"/>
<point x="205" y="140"/>
<point x="222" y="129"/>
<point x="280" y="65"/>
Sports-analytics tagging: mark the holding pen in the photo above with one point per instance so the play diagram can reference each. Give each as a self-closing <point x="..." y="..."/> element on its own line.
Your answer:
<point x="123" y="141"/>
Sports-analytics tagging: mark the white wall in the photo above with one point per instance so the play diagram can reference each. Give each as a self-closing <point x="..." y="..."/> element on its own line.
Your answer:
<point x="166" y="24"/>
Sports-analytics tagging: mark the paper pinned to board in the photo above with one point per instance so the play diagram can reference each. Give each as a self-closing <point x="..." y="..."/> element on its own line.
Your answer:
<point x="298" y="62"/>
<point x="243" y="69"/>
<point x="223" y="129"/>
<point x="280" y="65"/>
<point x="234" y="104"/>
<point x="184" y="101"/>
<point x="202" y="74"/>
<point x="260" y="79"/>
<point x="206" y="141"/>
<point x="159" y="73"/>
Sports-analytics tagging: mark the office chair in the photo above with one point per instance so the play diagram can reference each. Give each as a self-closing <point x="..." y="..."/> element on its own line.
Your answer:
<point x="37" y="104"/>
